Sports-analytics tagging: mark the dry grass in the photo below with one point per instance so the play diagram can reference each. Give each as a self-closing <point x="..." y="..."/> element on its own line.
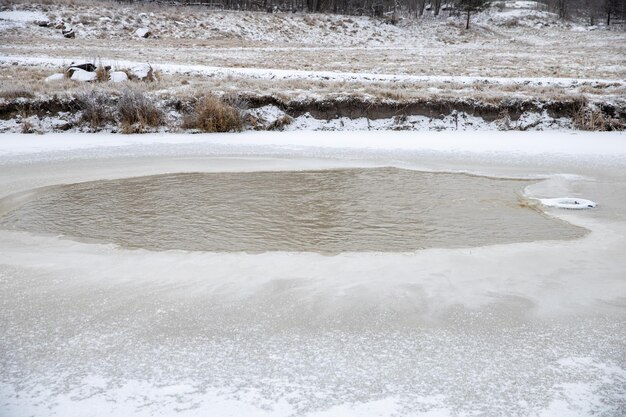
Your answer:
<point x="280" y="123"/>
<point x="16" y="93"/>
<point x="212" y="114"/>
<point x="587" y="117"/>
<point x="137" y="113"/>
<point x="102" y="73"/>
<point x="96" y="109"/>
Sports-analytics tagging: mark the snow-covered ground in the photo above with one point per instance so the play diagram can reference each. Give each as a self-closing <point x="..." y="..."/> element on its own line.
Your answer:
<point x="248" y="42"/>
<point x="518" y="52"/>
<point x="527" y="329"/>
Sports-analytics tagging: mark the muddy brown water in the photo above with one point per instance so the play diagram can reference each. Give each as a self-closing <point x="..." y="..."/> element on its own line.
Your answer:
<point x="330" y="211"/>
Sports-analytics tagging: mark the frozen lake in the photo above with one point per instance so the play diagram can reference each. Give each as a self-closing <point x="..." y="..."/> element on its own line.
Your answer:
<point x="529" y="319"/>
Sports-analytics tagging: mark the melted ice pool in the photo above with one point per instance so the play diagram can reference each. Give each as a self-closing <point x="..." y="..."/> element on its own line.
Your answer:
<point x="331" y="211"/>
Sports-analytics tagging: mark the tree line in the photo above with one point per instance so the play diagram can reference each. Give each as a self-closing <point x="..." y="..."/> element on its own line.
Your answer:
<point x="596" y="11"/>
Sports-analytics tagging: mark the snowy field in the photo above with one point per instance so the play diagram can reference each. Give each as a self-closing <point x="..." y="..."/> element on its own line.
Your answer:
<point x="515" y="52"/>
<point x="524" y="329"/>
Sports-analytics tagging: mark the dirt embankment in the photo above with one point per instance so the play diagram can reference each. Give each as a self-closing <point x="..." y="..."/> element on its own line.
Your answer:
<point x="354" y="107"/>
<point x="582" y="114"/>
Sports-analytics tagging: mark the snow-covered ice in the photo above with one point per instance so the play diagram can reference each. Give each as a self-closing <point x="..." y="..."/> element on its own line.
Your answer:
<point x="527" y="329"/>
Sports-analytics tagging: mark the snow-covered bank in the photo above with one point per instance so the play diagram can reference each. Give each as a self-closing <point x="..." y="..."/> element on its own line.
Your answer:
<point x="566" y="144"/>
<point x="530" y="329"/>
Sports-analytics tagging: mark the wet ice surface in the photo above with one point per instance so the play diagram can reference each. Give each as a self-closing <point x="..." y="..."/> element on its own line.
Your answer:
<point x="124" y="349"/>
<point x="524" y="329"/>
<point x="332" y="211"/>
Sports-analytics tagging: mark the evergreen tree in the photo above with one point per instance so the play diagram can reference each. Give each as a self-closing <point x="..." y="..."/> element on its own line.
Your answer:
<point x="471" y="6"/>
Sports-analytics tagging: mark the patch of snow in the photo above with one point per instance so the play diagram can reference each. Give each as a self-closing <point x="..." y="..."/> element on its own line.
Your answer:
<point x="458" y="121"/>
<point x="55" y="77"/>
<point x="118" y="76"/>
<point x="141" y="71"/>
<point x="533" y="5"/>
<point x="523" y="13"/>
<point x="11" y="19"/>
<point x="268" y="113"/>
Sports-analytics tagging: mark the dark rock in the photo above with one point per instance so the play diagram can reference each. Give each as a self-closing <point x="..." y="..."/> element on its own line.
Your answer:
<point x="88" y="66"/>
<point x="68" y="32"/>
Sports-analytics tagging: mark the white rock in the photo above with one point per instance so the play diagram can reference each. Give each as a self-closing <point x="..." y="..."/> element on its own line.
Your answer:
<point x="143" y="32"/>
<point x="118" y="76"/>
<point x="82" y="75"/>
<point x="55" y="77"/>
<point x="142" y="71"/>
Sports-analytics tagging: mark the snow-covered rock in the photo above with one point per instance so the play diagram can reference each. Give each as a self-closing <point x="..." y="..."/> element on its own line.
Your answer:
<point x="269" y="118"/>
<point x="82" y="75"/>
<point x="55" y="77"/>
<point x="44" y="23"/>
<point x="143" y="72"/>
<point x="68" y="32"/>
<point x="87" y="66"/>
<point x="118" y="76"/>
<point x="143" y="32"/>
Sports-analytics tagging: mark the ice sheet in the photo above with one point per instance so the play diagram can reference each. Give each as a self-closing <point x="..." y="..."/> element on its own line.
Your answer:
<point x="528" y="329"/>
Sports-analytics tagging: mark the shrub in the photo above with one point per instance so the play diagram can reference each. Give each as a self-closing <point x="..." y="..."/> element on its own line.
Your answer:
<point x="136" y="112"/>
<point x="96" y="109"/>
<point x="212" y="114"/>
<point x="102" y="73"/>
<point x="587" y="116"/>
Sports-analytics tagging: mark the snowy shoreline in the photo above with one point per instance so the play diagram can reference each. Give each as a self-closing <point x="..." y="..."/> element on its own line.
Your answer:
<point x="567" y="144"/>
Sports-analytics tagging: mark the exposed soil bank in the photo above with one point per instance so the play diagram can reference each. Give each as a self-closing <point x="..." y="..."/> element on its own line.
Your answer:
<point x="22" y="114"/>
<point x="357" y="107"/>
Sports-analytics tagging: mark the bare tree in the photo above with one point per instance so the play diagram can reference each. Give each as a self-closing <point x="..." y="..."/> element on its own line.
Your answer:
<point x="562" y="9"/>
<point x="421" y="4"/>
<point x="436" y="7"/>
<point x="610" y="8"/>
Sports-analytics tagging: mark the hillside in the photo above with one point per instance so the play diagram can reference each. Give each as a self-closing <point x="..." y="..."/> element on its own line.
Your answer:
<point x="513" y="52"/>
